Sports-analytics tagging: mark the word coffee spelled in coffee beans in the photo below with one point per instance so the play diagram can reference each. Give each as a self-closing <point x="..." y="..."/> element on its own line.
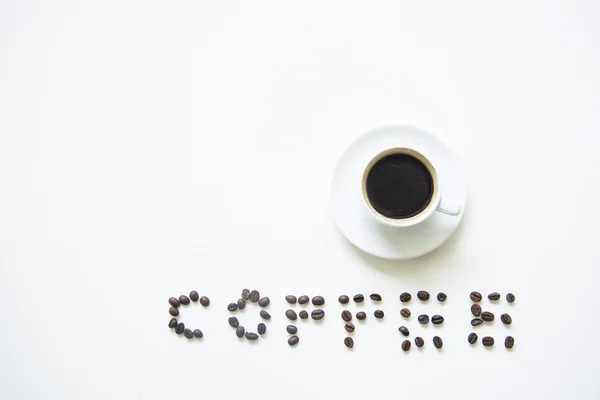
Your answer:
<point x="265" y="315"/>
<point x="419" y="342"/>
<point x="198" y="334"/>
<point x="291" y="299"/>
<point x="239" y="332"/>
<point x="194" y="296"/>
<point x="405" y="297"/>
<point x="406" y="345"/>
<point x="375" y="297"/>
<point x="183" y="299"/>
<point x="359" y="298"/>
<point x="204" y="301"/>
<point x="291" y="329"/>
<point x="303" y="314"/>
<point x="510" y="297"/>
<point x="423" y="295"/>
<point x="246" y="294"/>
<point x="472" y="338"/>
<point x="437" y="319"/>
<point x="509" y="342"/>
<point x="405" y="312"/>
<point x="317" y="314"/>
<point x="349" y="327"/>
<point x="261" y="328"/>
<point x="254" y="297"/>
<point x="233" y="322"/>
<point x="318" y="300"/>
<point x="487" y="341"/>
<point x="303" y="299"/>
<point x="476" y="310"/>
<point x="349" y="342"/>
<point x="487" y="316"/>
<point x="494" y="296"/>
<point x="378" y="314"/>
<point x="172" y="323"/>
<point x="293" y="340"/>
<point x="264" y="302"/>
<point x="476" y="322"/>
<point x="251" y="335"/>
<point x="188" y="333"/>
<point x="174" y="311"/>
<point x="442" y="296"/>
<point x="361" y="315"/>
<point x="241" y="303"/>
<point x="437" y="342"/>
<point x="404" y="331"/>
<point x="506" y="319"/>
<point x="174" y="302"/>
<point x="291" y="314"/>
<point x="476" y="297"/>
<point x="232" y="307"/>
<point x="343" y="299"/>
<point x="423" y="319"/>
<point x="180" y="328"/>
<point x="346" y="315"/>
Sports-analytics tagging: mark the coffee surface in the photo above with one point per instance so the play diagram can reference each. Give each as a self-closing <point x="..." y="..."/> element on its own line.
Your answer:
<point x="399" y="186"/>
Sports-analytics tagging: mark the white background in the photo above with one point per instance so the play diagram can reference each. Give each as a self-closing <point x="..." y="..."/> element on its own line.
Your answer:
<point x="151" y="148"/>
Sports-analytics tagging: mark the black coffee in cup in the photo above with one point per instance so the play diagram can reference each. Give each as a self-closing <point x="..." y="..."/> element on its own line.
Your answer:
<point x="399" y="186"/>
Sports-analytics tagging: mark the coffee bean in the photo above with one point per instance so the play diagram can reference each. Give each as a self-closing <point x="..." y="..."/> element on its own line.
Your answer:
<point x="174" y="311"/>
<point x="291" y="299"/>
<point x="183" y="299"/>
<point x="405" y="312"/>
<point x="204" y="301"/>
<point x="291" y="314"/>
<point x="317" y="314"/>
<point x="419" y="342"/>
<point x="404" y="330"/>
<point x="405" y="297"/>
<point x="188" y="333"/>
<point x="251" y="335"/>
<point x="264" y="302"/>
<point x="359" y="298"/>
<point x="241" y="303"/>
<point x="318" y="300"/>
<point x="476" y="310"/>
<point x="437" y="342"/>
<point x="361" y="315"/>
<point x="232" y="307"/>
<point x="174" y="302"/>
<point x="509" y="342"/>
<point x="233" y="322"/>
<point x="349" y="342"/>
<point x="494" y="296"/>
<point x="510" y="297"/>
<point x="487" y="341"/>
<point x="375" y="297"/>
<point x="261" y="328"/>
<point x="346" y="315"/>
<point x="291" y="329"/>
<point x="423" y="319"/>
<point x="476" y="322"/>
<point x="487" y="316"/>
<point x="343" y="299"/>
<point x="437" y="319"/>
<point x="506" y="319"/>
<point x="198" y="334"/>
<point x="254" y="297"/>
<point x="476" y="297"/>
<point x="180" y="328"/>
<point x="303" y="299"/>
<point x="239" y="332"/>
<point x="442" y="296"/>
<point x="246" y="294"/>
<point x="349" y="327"/>
<point x="423" y="295"/>
<point x="292" y="341"/>
<point x="303" y="314"/>
<point x="265" y="315"/>
<point x="378" y="314"/>
<point x="406" y="345"/>
<point x="194" y="296"/>
<point x="473" y="338"/>
<point x="172" y="323"/>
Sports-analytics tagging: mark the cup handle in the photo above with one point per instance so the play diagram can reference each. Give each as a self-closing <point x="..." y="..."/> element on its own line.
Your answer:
<point x="449" y="207"/>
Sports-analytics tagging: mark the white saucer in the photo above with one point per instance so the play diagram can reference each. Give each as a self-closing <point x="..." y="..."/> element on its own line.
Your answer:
<point x="359" y="225"/>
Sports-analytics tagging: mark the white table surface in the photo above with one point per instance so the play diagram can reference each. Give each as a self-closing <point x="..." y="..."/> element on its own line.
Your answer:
<point x="151" y="148"/>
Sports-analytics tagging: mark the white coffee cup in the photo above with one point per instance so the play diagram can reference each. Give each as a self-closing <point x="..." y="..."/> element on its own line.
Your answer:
<point x="437" y="202"/>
